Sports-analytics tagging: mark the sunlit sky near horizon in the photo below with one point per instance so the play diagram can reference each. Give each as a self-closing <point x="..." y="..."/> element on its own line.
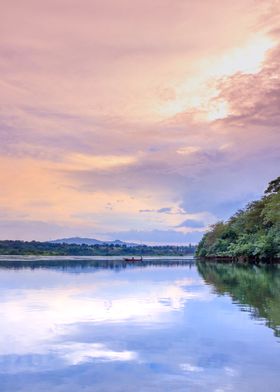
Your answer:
<point x="144" y="121"/>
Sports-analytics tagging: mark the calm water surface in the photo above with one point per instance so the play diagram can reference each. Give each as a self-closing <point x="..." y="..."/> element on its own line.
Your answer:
<point x="106" y="326"/>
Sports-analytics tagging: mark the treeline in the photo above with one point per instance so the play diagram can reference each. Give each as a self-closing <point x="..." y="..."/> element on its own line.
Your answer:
<point x="51" y="249"/>
<point x="252" y="234"/>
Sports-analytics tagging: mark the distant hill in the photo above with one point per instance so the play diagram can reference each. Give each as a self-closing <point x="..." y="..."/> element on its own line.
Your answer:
<point x="90" y="241"/>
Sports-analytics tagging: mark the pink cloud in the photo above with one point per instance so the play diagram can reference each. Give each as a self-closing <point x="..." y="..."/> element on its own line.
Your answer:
<point x="129" y="82"/>
<point x="254" y="99"/>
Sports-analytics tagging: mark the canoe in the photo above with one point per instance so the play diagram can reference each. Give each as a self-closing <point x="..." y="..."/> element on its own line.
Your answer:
<point x="132" y="259"/>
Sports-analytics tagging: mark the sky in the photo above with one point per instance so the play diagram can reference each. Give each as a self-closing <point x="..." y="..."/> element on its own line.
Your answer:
<point x="144" y="121"/>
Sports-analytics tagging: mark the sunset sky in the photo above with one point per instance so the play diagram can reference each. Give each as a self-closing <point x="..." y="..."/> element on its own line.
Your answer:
<point x="133" y="119"/>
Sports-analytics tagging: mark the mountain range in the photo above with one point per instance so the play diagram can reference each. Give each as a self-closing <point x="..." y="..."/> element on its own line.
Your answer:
<point x="90" y="241"/>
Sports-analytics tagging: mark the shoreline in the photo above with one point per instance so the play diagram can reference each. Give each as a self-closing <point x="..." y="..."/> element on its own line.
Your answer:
<point x="23" y="258"/>
<point x="238" y="260"/>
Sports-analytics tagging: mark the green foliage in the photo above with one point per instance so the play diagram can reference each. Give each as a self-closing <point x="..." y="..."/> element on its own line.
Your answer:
<point x="55" y="249"/>
<point x="273" y="186"/>
<point x="252" y="233"/>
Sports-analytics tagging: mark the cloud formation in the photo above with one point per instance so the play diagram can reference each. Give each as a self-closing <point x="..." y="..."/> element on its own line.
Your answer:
<point x="121" y="118"/>
<point x="254" y="99"/>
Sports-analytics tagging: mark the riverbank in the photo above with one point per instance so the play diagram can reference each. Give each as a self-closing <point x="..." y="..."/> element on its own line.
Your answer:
<point x="251" y="235"/>
<point x="239" y="260"/>
<point x="36" y="248"/>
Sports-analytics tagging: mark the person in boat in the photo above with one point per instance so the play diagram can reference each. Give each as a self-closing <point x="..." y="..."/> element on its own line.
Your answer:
<point x="133" y="259"/>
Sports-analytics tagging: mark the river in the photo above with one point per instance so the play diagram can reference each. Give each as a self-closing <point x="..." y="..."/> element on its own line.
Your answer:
<point x="162" y="325"/>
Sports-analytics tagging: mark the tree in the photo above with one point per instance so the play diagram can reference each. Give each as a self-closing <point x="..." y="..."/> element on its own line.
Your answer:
<point x="273" y="186"/>
<point x="252" y="233"/>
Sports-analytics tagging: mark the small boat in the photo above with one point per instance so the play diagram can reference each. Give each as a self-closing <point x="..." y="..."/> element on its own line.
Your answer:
<point x="133" y="259"/>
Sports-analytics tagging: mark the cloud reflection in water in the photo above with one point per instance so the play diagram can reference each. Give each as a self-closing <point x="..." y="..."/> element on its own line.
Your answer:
<point x="43" y="319"/>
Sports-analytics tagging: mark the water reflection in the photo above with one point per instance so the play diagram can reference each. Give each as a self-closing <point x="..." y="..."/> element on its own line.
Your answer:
<point x="89" y="264"/>
<point x="255" y="287"/>
<point x="111" y="326"/>
<point x="43" y="307"/>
